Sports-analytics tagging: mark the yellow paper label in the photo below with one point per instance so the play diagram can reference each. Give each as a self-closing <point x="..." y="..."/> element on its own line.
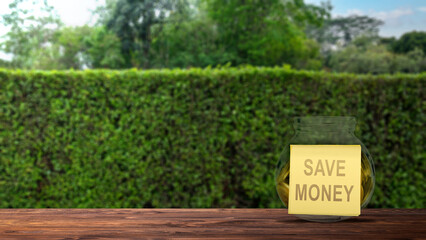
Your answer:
<point x="325" y="180"/>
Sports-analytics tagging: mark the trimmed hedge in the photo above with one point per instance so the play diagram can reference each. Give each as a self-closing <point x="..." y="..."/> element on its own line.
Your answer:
<point x="193" y="138"/>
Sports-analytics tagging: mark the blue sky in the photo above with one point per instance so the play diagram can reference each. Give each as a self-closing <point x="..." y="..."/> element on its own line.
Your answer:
<point x="400" y="16"/>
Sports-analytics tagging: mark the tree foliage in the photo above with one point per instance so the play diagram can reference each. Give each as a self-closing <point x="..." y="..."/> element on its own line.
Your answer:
<point x="4" y="64"/>
<point x="201" y="33"/>
<point x="28" y="35"/>
<point x="209" y="32"/>
<point x="339" y="32"/>
<point x="364" y="55"/>
<point x="410" y="41"/>
<point x="132" y="21"/>
<point x="252" y="32"/>
<point x="103" y="49"/>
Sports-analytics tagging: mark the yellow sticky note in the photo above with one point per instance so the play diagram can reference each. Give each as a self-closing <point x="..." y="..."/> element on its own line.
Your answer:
<point x="325" y="180"/>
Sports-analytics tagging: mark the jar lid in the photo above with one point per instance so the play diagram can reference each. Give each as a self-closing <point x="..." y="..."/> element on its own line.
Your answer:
<point x="325" y="123"/>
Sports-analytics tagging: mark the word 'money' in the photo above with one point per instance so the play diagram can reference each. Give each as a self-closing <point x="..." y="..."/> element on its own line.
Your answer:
<point x="315" y="192"/>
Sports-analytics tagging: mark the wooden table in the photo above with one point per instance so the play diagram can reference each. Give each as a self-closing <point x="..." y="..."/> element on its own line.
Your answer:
<point x="204" y="223"/>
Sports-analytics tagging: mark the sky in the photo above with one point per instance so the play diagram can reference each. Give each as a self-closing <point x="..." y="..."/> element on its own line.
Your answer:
<point x="399" y="16"/>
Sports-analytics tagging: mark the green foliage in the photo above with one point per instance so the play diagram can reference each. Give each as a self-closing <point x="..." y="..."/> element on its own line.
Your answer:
<point x="388" y="42"/>
<point x="103" y="49"/>
<point x="203" y="33"/>
<point x="187" y="44"/>
<point x="346" y="29"/>
<point x="252" y="32"/>
<point x="410" y="41"/>
<point x="167" y="34"/>
<point x="132" y="22"/>
<point x="71" y="41"/>
<point x="28" y="35"/>
<point x="193" y="138"/>
<point x="363" y="55"/>
<point x="5" y="64"/>
<point x="340" y="32"/>
<point x="65" y="50"/>
<point x="82" y="47"/>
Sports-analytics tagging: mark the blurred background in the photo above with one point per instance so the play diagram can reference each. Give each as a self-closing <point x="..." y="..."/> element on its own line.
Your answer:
<point x="190" y="102"/>
<point x="340" y="36"/>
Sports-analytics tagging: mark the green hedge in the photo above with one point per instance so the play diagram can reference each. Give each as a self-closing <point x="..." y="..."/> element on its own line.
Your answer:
<point x="193" y="138"/>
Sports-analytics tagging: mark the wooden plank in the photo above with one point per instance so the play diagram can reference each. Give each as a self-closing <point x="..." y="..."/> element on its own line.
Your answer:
<point x="204" y="223"/>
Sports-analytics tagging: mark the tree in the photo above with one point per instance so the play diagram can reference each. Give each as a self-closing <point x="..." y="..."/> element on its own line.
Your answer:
<point x="83" y="47"/>
<point x="165" y="33"/>
<point x="132" y="21"/>
<point x="190" y="43"/>
<point x="252" y="32"/>
<point x="103" y="49"/>
<point x="4" y="64"/>
<point x="388" y="41"/>
<point x="28" y="35"/>
<point x="72" y="44"/>
<point x="410" y="41"/>
<point x="366" y="56"/>
<point x="341" y="31"/>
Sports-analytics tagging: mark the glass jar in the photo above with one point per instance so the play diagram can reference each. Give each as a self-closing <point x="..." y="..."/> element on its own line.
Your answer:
<point x="324" y="131"/>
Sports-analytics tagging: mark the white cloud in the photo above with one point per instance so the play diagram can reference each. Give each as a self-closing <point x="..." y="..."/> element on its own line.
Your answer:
<point x="382" y="15"/>
<point x="391" y="15"/>
<point x="422" y="9"/>
<point x="76" y="12"/>
<point x="5" y="56"/>
<point x="354" y="12"/>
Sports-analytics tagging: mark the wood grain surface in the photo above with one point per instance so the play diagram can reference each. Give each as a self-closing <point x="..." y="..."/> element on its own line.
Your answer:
<point x="204" y="223"/>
